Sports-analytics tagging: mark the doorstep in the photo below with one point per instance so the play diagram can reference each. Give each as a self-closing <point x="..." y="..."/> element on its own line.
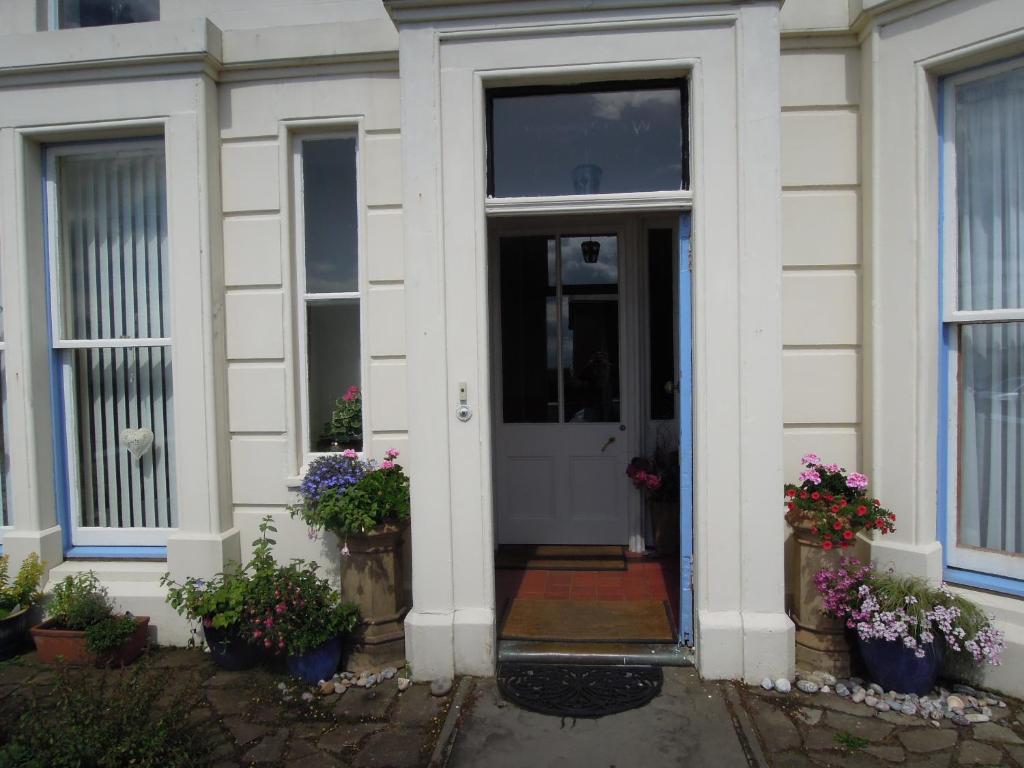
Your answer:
<point x="610" y="654"/>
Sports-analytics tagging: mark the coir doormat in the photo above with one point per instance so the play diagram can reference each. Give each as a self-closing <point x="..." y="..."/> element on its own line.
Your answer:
<point x="558" y="557"/>
<point x="578" y="690"/>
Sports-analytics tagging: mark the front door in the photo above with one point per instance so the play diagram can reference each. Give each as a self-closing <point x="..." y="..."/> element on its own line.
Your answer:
<point x="560" y="428"/>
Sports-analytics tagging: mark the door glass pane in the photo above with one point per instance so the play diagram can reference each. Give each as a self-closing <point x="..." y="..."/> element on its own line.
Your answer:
<point x="661" y="323"/>
<point x="100" y="13"/>
<point x="590" y="328"/>
<point x="612" y="138"/>
<point x="990" y="166"/>
<point x="113" y="390"/>
<point x="992" y="437"/>
<point x="529" y="329"/>
<point x="332" y="330"/>
<point x="113" y="255"/>
<point x="331" y="213"/>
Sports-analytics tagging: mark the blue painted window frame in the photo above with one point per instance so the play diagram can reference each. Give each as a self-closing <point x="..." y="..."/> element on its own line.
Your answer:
<point x="62" y="492"/>
<point x="946" y="454"/>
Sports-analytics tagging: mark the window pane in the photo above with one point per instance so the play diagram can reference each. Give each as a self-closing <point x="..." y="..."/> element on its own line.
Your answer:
<point x="990" y="195"/>
<point x="330" y="213"/>
<point x="611" y="139"/>
<point x="113" y="254"/>
<point x="99" y="13"/>
<point x="332" y="347"/>
<point x="661" y="323"/>
<point x="590" y="328"/>
<point x="112" y="390"/>
<point x="529" y="330"/>
<point x="992" y="437"/>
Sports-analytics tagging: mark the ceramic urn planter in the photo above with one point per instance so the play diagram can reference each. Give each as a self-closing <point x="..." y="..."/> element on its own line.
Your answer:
<point x="68" y="645"/>
<point x="372" y="577"/>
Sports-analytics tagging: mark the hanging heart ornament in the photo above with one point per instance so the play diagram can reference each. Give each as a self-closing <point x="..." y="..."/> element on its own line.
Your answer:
<point x="138" y="441"/>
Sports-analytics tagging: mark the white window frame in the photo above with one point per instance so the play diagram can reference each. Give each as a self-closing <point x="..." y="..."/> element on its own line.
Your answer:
<point x="5" y="498"/>
<point x="983" y="561"/>
<point x="90" y="536"/>
<point x="53" y="14"/>
<point x="303" y="299"/>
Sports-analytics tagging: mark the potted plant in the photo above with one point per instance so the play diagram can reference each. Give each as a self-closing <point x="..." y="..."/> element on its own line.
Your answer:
<point x="366" y="504"/>
<point x="827" y="508"/>
<point x="345" y="429"/>
<point x="657" y="478"/>
<point x="906" y="629"/>
<point x="18" y="598"/>
<point x="82" y="627"/>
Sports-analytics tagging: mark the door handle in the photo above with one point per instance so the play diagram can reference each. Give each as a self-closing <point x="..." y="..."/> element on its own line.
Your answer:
<point x="608" y="442"/>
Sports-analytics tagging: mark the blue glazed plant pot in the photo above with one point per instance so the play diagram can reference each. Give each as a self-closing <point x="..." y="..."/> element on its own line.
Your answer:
<point x="895" y="667"/>
<point x="318" y="664"/>
<point x="229" y="651"/>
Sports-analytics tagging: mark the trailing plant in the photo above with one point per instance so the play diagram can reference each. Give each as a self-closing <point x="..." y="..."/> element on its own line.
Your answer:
<point x="834" y="504"/>
<point x="346" y="424"/>
<point x="105" y="721"/>
<point x="23" y="592"/>
<point x="79" y="601"/>
<point x="907" y="609"/>
<point x="344" y="494"/>
<point x="290" y="609"/>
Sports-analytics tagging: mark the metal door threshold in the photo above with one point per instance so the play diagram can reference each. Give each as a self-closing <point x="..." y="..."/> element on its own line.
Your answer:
<point x="612" y="654"/>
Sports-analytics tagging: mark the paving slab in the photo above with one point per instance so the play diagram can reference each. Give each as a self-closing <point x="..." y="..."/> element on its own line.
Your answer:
<point x="688" y="724"/>
<point x="976" y="753"/>
<point x="928" y="741"/>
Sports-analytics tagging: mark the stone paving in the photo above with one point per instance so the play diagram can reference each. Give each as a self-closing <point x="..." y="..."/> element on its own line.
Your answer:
<point x="800" y="730"/>
<point x="251" y="721"/>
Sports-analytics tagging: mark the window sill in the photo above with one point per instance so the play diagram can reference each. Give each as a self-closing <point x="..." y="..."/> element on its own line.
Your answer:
<point x="999" y="585"/>
<point x="116" y="553"/>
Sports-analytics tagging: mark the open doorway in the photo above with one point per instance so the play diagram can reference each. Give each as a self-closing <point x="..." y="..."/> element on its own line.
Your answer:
<point x="584" y="318"/>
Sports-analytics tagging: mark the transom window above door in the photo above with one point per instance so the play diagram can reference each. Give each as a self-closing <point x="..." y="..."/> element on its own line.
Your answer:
<point x="599" y="138"/>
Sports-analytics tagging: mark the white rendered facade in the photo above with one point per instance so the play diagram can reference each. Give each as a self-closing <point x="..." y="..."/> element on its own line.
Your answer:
<point x="814" y="198"/>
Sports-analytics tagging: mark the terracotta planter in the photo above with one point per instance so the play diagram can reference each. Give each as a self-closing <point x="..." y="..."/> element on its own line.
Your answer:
<point x="821" y="641"/>
<point x="372" y="577"/>
<point x="68" y="645"/>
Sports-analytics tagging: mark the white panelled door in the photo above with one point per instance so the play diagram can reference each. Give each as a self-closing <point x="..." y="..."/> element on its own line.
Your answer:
<point x="560" y="435"/>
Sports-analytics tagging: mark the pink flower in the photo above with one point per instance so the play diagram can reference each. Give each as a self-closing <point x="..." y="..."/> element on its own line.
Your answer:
<point x="831" y="468"/>
<point x="857" y="481"/>
<point x="653" y="482"/>
<point x="280" y="608"/>
<point x="351" y="393"/>
<point x="257" y="634"/>
<point x="810" y="459"/>
<point x="387" y="464"/>
<point x="349" y="453"/>
<point x="391" y="453"/>
<point x="810" y="475"/>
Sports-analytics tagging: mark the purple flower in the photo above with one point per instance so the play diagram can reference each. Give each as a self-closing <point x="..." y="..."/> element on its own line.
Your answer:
<point x="332" y="472"/>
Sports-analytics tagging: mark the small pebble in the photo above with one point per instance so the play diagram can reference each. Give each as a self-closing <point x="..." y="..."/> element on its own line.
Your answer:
<point x="441" y="686"/>
<point x="826" y="689"/>
<point x="767" y="684"/>
<point x="829" y="679"/>
<point x="842" y="691"/>
<point x="371" y="681"/>
<point x="326" y="688"/>
<point x="307" y="696"/>
<point x="908" y="709"/>
<point x="871" y="700"/>
<point x="955" y="702"/>
<point x="403" y="683"/>
<point x="807" y="686"/>
<point x="281" y="687"/>
<point x="388" y="672"/>
<point x="883" y="706"/>
<point x="960" y="720"/>
<point x="976" y="717"/>
<point x="876" y="689"/>
<point x="859" y="695"/>
<point x="339" y="688"/>
<point x="782" y="685"/>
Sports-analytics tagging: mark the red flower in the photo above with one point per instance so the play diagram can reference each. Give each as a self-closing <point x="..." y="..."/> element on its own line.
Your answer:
<point x="835" y="507"/>
<point x="862" y="510"/>
<point x="892" y="517"/>
<point x="814" y="530"/>
<point x="803" y="494"/>
<point x="827" y="545"/>
<point x="828" y="536"/>
<point x="815" y="495"/>
<point x="791" y="492"/>
<point x="837" y="525"/>
<point x="843" y="502"/>
<point x="843" y="544"/>
<point x="791" y="505"/>
<point x="847" y="535"/>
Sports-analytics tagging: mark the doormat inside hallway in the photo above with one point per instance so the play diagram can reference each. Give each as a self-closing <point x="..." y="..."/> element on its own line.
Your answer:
<point x="591" y="621"/>
<point x="559" y="557"/>
<point x="578" y="690"/>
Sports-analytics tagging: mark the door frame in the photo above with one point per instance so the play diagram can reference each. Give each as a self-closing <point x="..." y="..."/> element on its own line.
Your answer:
<point x="626" y="229"/>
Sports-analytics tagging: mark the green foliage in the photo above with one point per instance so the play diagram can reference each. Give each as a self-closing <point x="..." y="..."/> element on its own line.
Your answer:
<point x="849" y="741"/>
<point x="379" y="497"/>
<point x="24" y="590"/>
<point x="79" y="601"/>
<point x="290" y="608"/>
<point x="216" y="601"/>
<point x="106" y="721"/>
<point x="346" y="424"/>
<point x="108" y="635"/>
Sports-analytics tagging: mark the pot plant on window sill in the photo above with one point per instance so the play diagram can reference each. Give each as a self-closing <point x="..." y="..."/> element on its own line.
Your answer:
<point x="19" y="600"/>
<point x="345" y="429"/>
<point x="82" y="627"/>
<point x="827" y="510"/>
<point x="366" y="504"/>
<point x="907" y="629"/>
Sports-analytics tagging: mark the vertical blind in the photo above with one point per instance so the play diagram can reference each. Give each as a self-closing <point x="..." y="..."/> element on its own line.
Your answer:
<point x="113" y="321"/>
<point x="990" y="201"/>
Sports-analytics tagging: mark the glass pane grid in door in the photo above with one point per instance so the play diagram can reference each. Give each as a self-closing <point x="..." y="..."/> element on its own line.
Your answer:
<point x="559" y="329"/>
